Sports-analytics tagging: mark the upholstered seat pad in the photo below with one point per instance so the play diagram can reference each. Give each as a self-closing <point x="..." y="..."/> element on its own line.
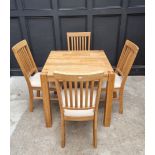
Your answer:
<point x="117" y="84"/>
<point x="78" y="113"/>
<point x="35" y="81"/>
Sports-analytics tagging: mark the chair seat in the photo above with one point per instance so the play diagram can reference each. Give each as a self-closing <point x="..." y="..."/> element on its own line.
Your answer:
<point x="35" y="81"/>
<point x="79" y="113"/>
<point x="117" y="83"/>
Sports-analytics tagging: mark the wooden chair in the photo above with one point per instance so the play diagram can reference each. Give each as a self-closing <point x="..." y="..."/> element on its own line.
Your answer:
<point x="78" y="41"/>
<point x="29" y="69"/>
<point x="122" y="70"/>
<point x="79" y="99"/>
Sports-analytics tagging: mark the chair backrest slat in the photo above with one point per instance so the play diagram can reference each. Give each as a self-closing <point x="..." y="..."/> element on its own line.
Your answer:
<point x="76" y="94"/>
<point x="85" y="42"/>
<point x="26" y="61"/>
<point x="70" y="93"/>
<point x="86" y="95"/>
<point x="81" y="93"/>
<point x="65" y="92"/>
<point x="72" y="43"/>
<point x="82" y="43"/>
<point x="24" y="58"/>
<point x="91" y="93"/>
<point x="68" y="43"/>
<point x="83" y="90"/>
<point x="74" y="38"/>
<point x="127" y="58"/>
<point x="78" y="41"/>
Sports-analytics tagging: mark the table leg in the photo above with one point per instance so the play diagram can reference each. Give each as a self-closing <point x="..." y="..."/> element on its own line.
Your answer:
<point x="46" y="100"/>
<point x="109" y="97"/>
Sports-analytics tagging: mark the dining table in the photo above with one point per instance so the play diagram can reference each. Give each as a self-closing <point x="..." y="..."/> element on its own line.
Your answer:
<point x="76" y="62"/>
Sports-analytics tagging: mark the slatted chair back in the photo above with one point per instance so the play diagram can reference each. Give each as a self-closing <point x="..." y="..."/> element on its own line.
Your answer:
<point x="24" y="58"/>
<point x="127" y="58"/>
<point x="79" y="92"/>
<point x="78" y="41"/>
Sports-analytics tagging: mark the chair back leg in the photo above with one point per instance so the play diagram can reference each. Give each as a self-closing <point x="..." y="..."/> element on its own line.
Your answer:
<point x="62" y="133"/>
<point x="95" y="133"/>
<point x="121" y="92"/>
<point x="30" y="100"/>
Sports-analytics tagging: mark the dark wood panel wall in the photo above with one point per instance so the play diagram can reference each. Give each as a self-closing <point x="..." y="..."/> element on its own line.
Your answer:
<point x="44" y="23"/>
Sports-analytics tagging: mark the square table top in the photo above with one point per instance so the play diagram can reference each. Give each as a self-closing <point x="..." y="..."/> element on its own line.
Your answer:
<point x="73" y="62"/>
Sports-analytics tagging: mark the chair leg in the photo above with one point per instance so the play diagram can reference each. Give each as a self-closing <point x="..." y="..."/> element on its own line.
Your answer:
<point x="62" y="133"/>
<point x="38" y="93"/>
<point x="31" y="101"/>
<point x="95" y="133"/>
<point x="115" y="94"/>
<point x="55" y="92"/>
<point x="121" y="102"/>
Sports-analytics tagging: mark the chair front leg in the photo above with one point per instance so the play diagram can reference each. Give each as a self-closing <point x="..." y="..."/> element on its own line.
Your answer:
<point x="38" y="93"/>
<point x="30" y="99"/>
<point x="121" y="92"/>
<point x="62" y="133"/>
<point x="95" y="132"/>
<point x="115" y="94"/>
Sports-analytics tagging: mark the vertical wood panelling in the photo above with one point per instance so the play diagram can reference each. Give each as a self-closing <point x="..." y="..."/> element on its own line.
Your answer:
<point x="71" y="24"/>
<point x="13" y="5"/>
<point x="107" y="3"/>
<point x="133" y="3"/>
<point x="35" y="4"/>
<point x="102" y="39"/>
<point x="80" y="4"/>
<point x="15" y="36"/>
<point x="136" y="34"/>
<point x="44" y="23"/>
<point x="41" y="34"/>
<point x="122" y="30"/>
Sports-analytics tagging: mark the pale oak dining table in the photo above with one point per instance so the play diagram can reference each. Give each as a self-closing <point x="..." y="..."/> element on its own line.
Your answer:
<point x="75" y="62"/>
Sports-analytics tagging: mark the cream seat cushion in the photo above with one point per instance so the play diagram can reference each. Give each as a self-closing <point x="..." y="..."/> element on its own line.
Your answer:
<point x="79" y="113"/>
<point x="35" y="81"/>
<point x="117" y="83"/>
